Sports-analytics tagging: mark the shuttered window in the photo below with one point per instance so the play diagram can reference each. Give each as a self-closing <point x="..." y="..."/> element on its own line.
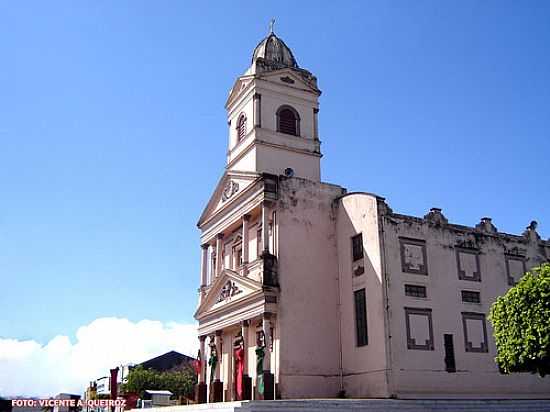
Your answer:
<point x="288" y="121"/>
<point x="471" y="296"/>
<point x="361" y="330"/>
<point x="241" y="127"/>
<point x="416" y="291"/>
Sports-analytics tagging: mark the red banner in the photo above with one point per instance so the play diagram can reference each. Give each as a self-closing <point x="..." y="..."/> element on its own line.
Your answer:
<point x="114" y="383"/>
<point x="239" y="369"/>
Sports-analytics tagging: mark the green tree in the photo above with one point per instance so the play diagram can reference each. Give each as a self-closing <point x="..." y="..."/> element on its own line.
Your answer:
<point x="179" y="382"/>
<point x="521" y="323"/>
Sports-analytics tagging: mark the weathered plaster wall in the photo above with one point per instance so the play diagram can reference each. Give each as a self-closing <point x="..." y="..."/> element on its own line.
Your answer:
<point x="274" y="160"/>
<point x="274" y="96"/>
<point x="364" y="367"/>
<point x="423" y="372"/>
<point x="308" y="272"/>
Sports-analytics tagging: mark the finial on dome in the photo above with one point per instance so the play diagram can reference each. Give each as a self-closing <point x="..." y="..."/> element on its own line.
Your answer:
<point x="271" y="24"/>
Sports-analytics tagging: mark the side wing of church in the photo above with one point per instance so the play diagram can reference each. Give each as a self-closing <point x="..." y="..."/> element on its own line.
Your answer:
<point x="308" y="291"/>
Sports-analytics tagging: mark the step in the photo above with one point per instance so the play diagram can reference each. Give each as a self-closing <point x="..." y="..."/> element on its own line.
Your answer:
<point x="367" y="405"/>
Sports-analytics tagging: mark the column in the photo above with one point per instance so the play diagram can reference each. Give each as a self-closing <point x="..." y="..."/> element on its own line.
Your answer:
<point x="246" y="257"/>
<point x="257" y="110"/>
<point x="247" y="380"/>
<point x="200" y="389"/>
<point x="219" y="249"/>
<point x="217" y="385"/>
<point x="269" y="378"/>
<point x="265" y="226"/>
<point x="266" y="327"/>
<point x="204" y="265"/>
<point x="315" y="124"/>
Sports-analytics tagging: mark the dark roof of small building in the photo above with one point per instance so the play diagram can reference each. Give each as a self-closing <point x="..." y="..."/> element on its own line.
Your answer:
<point x="170" y="360"/>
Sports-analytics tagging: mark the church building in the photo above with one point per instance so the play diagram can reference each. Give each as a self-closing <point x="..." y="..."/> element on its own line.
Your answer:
<point x="310" y="291"/>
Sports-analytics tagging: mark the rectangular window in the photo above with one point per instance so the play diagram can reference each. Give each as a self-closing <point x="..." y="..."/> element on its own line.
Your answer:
<point x="515" y="268"/>
<point x="450" y="365"/>
<point x="419" y="328"/>
<point x="357" y="247"/>
<point x="360" y="300"/>
<point x="467" y="262"/>
<point x="415" y="291"/>
<point x="470" y="296"/>
<point x="414" y="258"/>
<point x="475" y="332"/>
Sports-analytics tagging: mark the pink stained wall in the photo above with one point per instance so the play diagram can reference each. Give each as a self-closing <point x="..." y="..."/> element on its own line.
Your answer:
<point x="308" y="272"/>
<point x="364" y="367"/>
<point x="421" y="373"/>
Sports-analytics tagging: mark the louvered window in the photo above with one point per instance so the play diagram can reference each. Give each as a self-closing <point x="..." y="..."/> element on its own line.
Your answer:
<point x="288" y="121"/>
<point x="241" y="127"/>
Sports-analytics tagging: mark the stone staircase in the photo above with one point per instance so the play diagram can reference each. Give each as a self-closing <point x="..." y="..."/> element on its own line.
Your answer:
<point x="366" y="405"/>
<point x="391" y="405"/>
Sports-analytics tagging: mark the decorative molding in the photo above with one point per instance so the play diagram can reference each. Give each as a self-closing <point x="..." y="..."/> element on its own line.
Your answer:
<point x="468" y="346"/>
<point x="515" y="251"/>
<point x="287" y="79"/>
<point x="462" y="275"/>
<point x="229" y="290"/>
<point x="414" y="258"/>
<point x="486" y="225"/>
<point x="229" y="190"/>
<point x="359" y="270"/>
<point x="514" y="258"/>
<point x="436" y="217"/>
<point x="411" y="342"/>
<point x="530" y="233"/>
<point x="467" y="241"/>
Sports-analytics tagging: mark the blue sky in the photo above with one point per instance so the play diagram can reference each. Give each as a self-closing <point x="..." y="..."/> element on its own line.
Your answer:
<point x="113" y="133"/>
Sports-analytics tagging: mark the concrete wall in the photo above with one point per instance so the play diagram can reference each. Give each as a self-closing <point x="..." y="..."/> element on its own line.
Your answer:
<point x="364" y="367"/>
<point x="308" y="272"/>
<point x="419" y="372"/>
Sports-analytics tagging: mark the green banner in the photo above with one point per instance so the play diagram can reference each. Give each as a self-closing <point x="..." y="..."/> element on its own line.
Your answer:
<point x="260" y="354"/>
<point x="213" y="361"/>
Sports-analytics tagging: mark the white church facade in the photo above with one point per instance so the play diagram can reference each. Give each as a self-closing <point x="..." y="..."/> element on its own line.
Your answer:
<point x="308" y="291"/>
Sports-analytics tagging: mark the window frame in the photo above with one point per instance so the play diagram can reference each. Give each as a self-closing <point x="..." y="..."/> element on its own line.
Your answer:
<point x="413" y="295"/>
<point x="296" y="120"/>
<point x="411" y="343"/>
<point x="361" y="327"/>
<point x="413" y="242"/>
<point x="354" y="257"/>
<point x="468" y="347"/>
<point x="462" y="273"/>
<point x="519" y="258"/>
<point x="241" y="127"/>
<point x="466" y="296"/>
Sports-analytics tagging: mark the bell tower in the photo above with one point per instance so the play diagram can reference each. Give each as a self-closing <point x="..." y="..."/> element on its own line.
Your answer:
<point x="272" y="114"/>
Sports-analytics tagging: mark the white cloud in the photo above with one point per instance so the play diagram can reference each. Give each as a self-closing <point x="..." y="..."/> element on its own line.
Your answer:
<point x="31" y="369"/>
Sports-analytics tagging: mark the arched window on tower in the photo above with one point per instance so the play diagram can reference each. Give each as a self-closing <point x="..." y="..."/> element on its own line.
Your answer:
<point x="288" y="121"/>
<point x="241" y="127"/>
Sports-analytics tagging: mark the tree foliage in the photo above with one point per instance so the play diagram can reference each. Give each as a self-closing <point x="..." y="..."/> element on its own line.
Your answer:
<point x="179" y="382"/>
<point x="521" y="323"/>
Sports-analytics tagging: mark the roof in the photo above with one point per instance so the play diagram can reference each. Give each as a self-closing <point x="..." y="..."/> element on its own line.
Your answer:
<point x="168" y="361"/>
<point x="274" y="52"/>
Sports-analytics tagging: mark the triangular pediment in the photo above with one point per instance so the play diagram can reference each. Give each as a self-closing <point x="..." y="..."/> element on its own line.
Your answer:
<point x="229" y="187"/>
<point x="240" y="84"/>
<point x="227" y="289"/>
<point x="292" y="78"/>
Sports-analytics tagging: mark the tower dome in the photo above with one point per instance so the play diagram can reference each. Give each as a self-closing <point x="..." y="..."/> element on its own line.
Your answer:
<point x="274" y="53"/>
